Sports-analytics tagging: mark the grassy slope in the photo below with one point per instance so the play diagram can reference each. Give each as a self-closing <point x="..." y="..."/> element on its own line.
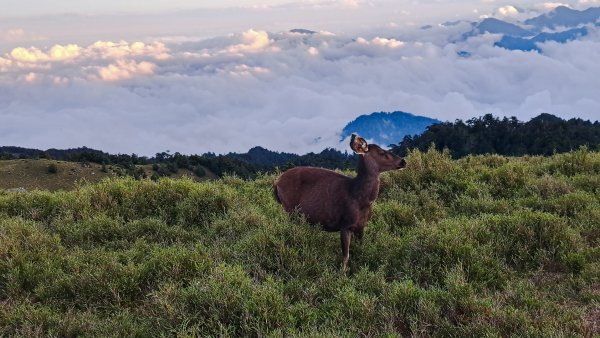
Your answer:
<point x="33" y="174"/>
<point x="484" y="246"/>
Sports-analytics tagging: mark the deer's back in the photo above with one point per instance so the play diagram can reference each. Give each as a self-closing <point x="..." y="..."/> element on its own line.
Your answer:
<point x="320" y="194"/>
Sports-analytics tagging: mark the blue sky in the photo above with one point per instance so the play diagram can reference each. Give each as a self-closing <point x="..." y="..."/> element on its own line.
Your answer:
<point x="42" y="22"/>
<point x="226" y="76"/>
<point x="80" y="19"/>
<point x="43" y="7"/>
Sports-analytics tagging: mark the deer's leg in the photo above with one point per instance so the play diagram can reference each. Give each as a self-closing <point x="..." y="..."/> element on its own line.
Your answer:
<point x="346" y="236"/>
<point x="359" y="233"/>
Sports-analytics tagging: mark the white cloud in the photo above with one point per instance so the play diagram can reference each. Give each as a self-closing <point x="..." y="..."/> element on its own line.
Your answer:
<point x="56" y="53"/>
<point x="15" y="34"/>
<point x="31" y="77"/>
<point x="28" y="55"/>
<point x="115" y="50"/>
<point x="252" y="41"/>
<point x="390" y="43"/>
<point x="18" y="34"/>
<point x="508" y="11"/>
<point x="353" y="4"/>
<point x="59" y="52"/>
<point x="5" y="62"/>
<point x="546" y="6"/>
<point x="514" y="13"/>
<point x="327" y="4"/>
<point x="288" y="92"/>
<point x="122" y="70"/>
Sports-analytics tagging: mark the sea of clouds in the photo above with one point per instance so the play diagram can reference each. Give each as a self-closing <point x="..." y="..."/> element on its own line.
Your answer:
<point x="280" y="90"/>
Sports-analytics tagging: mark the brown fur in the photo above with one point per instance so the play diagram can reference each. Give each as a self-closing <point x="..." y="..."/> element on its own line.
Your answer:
<point x="337" y="202"/>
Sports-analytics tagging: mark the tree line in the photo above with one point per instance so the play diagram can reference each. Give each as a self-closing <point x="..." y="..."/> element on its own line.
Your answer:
<point x="543" y="135"/>
<point x="246" y="165"/>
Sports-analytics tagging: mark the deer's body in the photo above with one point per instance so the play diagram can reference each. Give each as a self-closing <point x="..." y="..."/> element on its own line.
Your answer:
<point x="337" y="202"/>
<point x="328" y="198"/>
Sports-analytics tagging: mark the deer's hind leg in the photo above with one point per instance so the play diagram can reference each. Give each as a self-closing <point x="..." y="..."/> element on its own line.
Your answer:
<point x="346" y="238"/>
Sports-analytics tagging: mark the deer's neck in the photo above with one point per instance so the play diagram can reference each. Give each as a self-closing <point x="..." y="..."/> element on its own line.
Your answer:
<point x="365" y="186"/>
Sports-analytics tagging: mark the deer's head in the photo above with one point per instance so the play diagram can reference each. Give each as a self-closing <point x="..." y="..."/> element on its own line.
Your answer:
<point x="376" y="158"/>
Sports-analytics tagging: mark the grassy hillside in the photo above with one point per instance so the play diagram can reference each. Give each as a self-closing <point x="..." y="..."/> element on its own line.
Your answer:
<point x="483" y="246"/>
<point x="33" y="174"/>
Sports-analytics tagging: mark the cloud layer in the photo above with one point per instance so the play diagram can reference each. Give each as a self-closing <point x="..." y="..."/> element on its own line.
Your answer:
<point x="284" y="91"/>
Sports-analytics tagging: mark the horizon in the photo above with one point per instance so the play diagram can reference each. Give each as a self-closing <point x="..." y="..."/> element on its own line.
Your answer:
<point x="226" y="77"/>
<point x="172" y="152"/>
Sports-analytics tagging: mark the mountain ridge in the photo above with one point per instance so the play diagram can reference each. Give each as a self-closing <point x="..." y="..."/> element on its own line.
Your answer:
<point x="387" y="128"/>
<point x="561" y="25"/>
<point x="563" y="16"/>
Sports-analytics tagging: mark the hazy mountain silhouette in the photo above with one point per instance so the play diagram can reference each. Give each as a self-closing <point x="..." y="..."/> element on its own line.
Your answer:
<point x="387" y="128"/>
<point x="527" y="36"/>
<point x="563" y="16"/>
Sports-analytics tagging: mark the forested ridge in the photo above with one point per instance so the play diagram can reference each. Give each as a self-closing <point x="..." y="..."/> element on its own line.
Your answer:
<point x="543" y="135"/>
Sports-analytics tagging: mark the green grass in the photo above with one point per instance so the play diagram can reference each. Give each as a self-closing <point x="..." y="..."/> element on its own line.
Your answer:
<point x="34" y="174"/>
<point x="486" y="246"/>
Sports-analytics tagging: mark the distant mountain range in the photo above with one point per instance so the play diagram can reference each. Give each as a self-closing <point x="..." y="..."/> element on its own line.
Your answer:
<point x="561" y="25"/>
<point x="496" y="26"/>
<point x="387" y="128"/>
<point x="528" y="44"/>
<point x="563" y="16"/>
<point x="302" y="31"/>
<point x="382" y="128"/>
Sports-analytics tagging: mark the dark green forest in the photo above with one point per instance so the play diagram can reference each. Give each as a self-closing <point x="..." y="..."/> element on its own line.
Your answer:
<point x="545" y="134"/>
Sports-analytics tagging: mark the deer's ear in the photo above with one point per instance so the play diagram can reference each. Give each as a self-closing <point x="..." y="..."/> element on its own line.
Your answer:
<point x="359" y="144"/>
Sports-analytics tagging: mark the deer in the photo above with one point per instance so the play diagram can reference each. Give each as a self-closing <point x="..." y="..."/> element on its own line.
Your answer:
<point x="334" y="201"/>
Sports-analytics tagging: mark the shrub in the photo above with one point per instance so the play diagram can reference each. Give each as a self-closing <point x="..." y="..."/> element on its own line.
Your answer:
<point x="52" y="168"/>
<point x="199" y="171"/>
<point x="528" y="240"/>
<point x="551" y="186"/>
<point x="508" y="180"/>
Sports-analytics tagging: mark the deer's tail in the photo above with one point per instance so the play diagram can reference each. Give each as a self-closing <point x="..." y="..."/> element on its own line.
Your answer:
<point x="276" y="194"/>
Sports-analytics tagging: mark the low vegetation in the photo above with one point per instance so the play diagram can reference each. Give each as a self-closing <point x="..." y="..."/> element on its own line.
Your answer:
<point x="482" y="246"/>
<point x="52" y="175"/>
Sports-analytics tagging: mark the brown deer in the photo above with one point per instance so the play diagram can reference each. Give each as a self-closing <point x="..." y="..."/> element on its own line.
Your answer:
<point x="338" y="202"/>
